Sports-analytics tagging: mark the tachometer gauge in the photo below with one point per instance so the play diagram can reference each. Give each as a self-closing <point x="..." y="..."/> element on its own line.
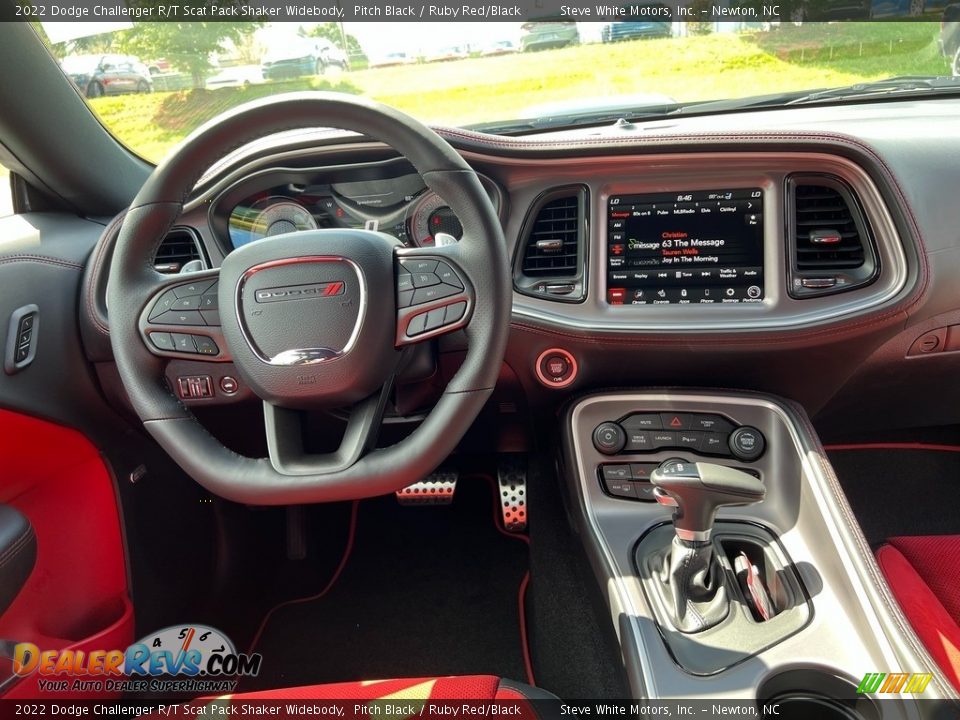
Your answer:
<point x="431" y="216"/>
<point x="284" y="216"/>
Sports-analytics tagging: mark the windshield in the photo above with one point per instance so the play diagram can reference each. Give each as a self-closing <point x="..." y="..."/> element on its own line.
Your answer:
<point x="501" y="76"/>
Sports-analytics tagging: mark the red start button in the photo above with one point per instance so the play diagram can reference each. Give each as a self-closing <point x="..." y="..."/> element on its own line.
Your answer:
<point x="556" y="368"/>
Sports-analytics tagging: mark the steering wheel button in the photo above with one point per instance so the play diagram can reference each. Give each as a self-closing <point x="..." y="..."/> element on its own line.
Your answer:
<point x="161" y="340"/>
<point x="429" y="294"/>
<point x="420" y="266"/>
<point x="435" y="318"/>
<point x="448" y="276"/>
<point x="209" y="301"/>
<point x="183" y="343"/>
<point x="425" y="280"/>
<point x="404" y="281"/>
<point x="179" y="317"/>
<point x="194" y="288"/>
<point x="211" y="317"/>
<point x="455" y="312"/>
<point x="163" y="304"/>
<point x="205" y="345"/>
<point x="187" y="303"/>
<point x="404" y="298"/>
<point x="417" y="325"/>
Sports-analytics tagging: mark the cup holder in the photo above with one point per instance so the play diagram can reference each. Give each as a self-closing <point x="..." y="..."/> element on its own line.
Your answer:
<point x="804" y="693"/>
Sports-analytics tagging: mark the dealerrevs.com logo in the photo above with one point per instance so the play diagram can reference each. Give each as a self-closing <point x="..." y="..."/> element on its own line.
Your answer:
<point x="180" y="658"/>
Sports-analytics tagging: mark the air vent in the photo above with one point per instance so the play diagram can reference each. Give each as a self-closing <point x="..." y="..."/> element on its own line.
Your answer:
<point x="832" y="248"/>
<point x="827" y="233"/>
<point x="179" y="247"/>
<point x="552" y="246"/>
<point x="553" y="243"/>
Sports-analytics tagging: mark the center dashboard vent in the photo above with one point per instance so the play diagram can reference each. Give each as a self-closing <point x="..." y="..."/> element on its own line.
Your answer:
<point x="831" y="244"/>
<point x="180" y="247"/>
<point x="552" y="256"/>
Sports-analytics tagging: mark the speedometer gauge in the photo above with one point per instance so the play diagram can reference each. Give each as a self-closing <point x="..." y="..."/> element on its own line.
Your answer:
<point x="283" y="217"/>
<point x="266" y="217"/>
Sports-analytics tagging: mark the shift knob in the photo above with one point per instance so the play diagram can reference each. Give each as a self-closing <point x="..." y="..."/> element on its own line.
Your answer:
<point x="697" y="490"/>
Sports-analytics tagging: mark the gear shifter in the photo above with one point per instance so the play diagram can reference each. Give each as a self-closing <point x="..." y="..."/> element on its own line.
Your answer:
<point x="691" y="573"/>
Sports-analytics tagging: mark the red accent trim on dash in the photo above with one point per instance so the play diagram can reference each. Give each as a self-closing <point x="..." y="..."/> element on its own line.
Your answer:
<point x="894" y="446"/>
<point x="347" y="551"/>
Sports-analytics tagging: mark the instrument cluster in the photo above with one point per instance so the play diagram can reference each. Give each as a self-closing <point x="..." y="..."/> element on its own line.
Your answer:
<point x="402" y="206"/>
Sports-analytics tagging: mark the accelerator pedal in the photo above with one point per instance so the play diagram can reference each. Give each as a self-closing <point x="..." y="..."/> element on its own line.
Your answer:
<point x="435" y="489"/>
<point x="512" y="490"/>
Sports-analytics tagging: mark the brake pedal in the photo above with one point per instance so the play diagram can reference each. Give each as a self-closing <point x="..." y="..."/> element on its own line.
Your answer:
<point x="436" y="489"/>
<point x="512" y="490"/>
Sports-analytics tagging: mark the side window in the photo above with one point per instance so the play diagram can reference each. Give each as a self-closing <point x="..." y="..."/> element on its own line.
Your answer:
<point x="6" y="196"/>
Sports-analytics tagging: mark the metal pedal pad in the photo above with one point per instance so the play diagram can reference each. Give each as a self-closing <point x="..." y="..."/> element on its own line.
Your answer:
<point x="512" y="490"/>
<point x="435" y="489"/>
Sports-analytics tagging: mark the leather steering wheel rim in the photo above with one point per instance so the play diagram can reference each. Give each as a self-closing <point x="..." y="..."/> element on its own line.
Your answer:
<point x="481" y="254"/>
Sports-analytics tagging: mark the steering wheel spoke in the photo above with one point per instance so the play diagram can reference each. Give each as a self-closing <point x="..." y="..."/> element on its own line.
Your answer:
<point x="182" y="319"/>
<point x="434" y="294"/>
<point x="284" y="427"/>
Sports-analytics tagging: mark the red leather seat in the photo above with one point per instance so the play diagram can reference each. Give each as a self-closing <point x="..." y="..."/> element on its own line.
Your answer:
<point x="924" y="576"/>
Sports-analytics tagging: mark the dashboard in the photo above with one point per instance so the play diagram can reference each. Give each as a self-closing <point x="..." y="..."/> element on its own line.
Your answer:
<point x="701" y="242"/>
<point x="683" y="255"/>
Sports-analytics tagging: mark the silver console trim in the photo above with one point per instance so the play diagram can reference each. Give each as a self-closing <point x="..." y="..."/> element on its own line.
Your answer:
<point x="887" y="640"/>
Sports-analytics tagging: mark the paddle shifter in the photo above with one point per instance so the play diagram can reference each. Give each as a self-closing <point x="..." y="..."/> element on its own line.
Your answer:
<point x="691" y="573"/>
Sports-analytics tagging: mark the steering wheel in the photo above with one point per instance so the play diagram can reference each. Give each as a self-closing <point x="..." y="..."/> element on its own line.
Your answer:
<point x="314" y="319"/>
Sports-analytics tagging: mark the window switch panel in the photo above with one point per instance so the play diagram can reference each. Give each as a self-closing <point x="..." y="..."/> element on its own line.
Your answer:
<point x="22" y="333"/>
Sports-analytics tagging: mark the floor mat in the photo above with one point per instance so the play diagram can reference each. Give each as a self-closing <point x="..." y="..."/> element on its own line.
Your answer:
<point x="900" y="491"/>
<point x="426" y="591"/>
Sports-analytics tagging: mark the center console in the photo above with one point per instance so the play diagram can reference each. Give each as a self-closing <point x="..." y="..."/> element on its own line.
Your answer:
<point x="729" y="558"/>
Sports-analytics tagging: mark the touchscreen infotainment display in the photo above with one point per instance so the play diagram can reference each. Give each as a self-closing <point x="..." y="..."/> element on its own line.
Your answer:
<point x="702" y="248"/>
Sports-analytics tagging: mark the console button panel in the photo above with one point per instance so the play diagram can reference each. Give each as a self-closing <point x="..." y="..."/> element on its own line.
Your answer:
<point x="702" y="433"/>
<point x="631" y="481"/>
